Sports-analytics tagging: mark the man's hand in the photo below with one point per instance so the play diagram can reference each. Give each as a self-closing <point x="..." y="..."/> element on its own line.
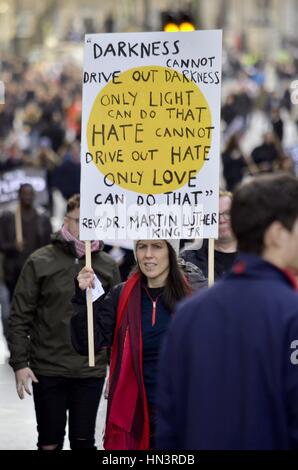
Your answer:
<point x="86" y="278"/>
<point x="24" y="377"/>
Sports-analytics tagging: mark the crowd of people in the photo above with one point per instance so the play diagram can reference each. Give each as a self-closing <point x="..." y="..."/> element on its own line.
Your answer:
<point x="190" y="367"/>
<point x="40" y="123"/>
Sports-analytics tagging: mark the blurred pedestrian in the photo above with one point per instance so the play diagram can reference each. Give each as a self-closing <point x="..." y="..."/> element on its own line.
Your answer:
<point x="277" y="124"/>
<point x="266" y="156"/>
<point x="48" y="160"/>
<point x="34" y="232"/>
<point x="66" y="176"/>
<point x="225" y="247"/>
<point x="234" y="163"/>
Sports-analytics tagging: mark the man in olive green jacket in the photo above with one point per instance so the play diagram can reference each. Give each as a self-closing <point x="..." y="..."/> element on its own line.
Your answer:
<point x="39" y="337"/>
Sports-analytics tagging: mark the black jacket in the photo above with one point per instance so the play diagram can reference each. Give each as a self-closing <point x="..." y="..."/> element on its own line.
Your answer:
<point x="39" y="323"/>
<point x="222" y="261"/>
<point x="14" y="260"/>
<point x="105" y="309"/>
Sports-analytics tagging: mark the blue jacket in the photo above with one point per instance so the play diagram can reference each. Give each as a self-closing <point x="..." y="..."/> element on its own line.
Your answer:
<point x="228" y="375"/>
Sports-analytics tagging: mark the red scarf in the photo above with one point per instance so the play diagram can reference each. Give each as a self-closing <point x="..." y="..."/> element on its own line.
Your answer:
<point x="127" y="423"/>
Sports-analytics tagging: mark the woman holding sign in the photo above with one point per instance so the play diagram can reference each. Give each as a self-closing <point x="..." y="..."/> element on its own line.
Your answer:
<point x="133" y="318"/>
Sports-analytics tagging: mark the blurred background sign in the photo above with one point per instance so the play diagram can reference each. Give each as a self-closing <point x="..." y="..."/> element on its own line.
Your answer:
<point x="10" y="182"/>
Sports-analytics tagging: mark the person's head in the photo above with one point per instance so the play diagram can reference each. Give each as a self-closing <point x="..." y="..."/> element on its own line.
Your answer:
<point x="26" y="195"/>
<point x="72" y="217"/>
<point x="157" y="261"/>
<point x="264" y="218"/>
<point x="153" y="259"/>
<point x="225" y="234"/>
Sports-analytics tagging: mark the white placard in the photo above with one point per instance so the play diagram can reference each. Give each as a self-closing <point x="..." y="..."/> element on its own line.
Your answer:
<point x="150" y="135"/>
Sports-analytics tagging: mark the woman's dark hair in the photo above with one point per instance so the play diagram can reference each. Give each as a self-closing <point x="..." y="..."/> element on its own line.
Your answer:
<point x="260" y="202"/>
<point x="176" y="287"/>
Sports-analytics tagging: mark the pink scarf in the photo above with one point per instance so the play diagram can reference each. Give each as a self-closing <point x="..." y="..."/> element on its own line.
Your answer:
<point x="79" y="245"/>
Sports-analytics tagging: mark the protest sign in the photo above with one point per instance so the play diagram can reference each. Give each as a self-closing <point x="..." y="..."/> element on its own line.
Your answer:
<point x="11" y="180"/>
<point x="150" y="135"/>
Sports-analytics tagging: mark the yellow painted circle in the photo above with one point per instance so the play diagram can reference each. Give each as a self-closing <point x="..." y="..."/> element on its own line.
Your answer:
<point x="151" y="132"/>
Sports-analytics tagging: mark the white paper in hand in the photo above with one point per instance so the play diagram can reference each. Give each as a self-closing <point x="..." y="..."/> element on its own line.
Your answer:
<point x="98" y="290"/>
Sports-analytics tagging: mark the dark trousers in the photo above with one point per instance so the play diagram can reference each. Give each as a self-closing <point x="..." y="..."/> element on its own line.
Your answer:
<point x="54" y="397"/>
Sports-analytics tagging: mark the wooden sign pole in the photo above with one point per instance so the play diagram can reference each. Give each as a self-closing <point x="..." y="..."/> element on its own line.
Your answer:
<point x="89" y="309"/>
<point x="18" y="224"/>
<point x="210" y="262"/>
